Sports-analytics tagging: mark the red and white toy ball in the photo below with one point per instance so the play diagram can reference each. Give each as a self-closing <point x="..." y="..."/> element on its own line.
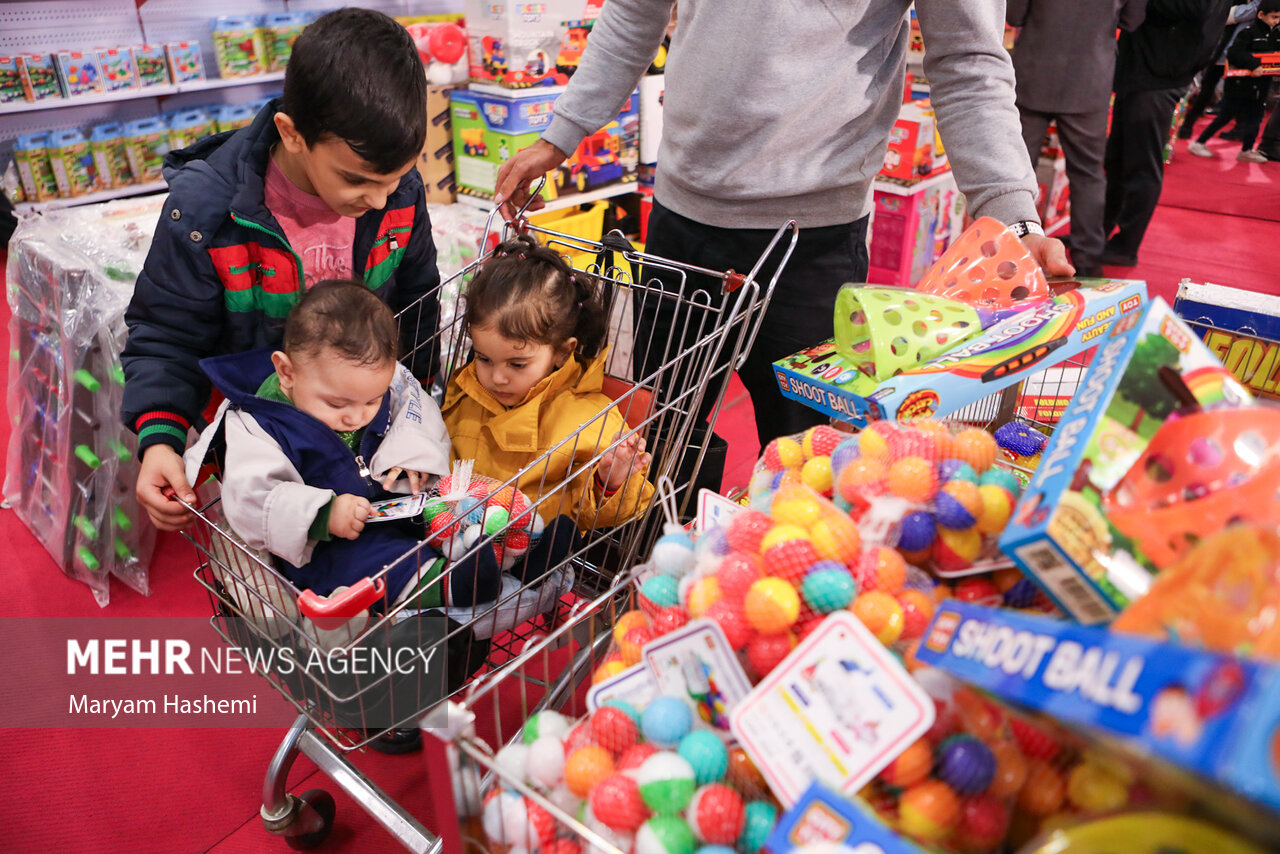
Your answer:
<point x="511" y="819"/>
<point x="617" y="804"/>
<point x="716" y="814"/>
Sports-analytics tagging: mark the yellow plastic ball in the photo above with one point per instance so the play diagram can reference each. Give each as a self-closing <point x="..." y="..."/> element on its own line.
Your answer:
<point x="873" y="446"/>
<point x="783" y="532"/>
<point x="997" y="507"/>
<point x="610" y="668"/>
<point x="703" y="593"/>
<point x="817" y="475"/>
<point x="627" y="622"/>
<point x="835" y="537"/>
<point x="1095" y="789"/>
<point x="796" y="511"/>
<point x="790" y="454"/>
<point x="772" y="605"/>
<point x="976" y="447"/>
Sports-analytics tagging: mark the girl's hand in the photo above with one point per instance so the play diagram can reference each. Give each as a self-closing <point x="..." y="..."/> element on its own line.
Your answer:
<point x="619" y="463"/>
<point x="346" y="517"/>
<point x="415" y="477"/>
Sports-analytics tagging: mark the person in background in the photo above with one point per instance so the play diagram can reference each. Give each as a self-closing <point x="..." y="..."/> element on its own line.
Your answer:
<point x="1154" y="68"/>
<point x="1269" y="145"/>
<point x="1072" y="40"/>
<point x="1244" y="99"/>
<point x="774" y="112"/>
<point x="1211" y="76"/>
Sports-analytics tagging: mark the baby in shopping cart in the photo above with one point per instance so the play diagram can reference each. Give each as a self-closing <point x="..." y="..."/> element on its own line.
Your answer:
<point x="533" y="390"/>
<point x="311" y="434"/>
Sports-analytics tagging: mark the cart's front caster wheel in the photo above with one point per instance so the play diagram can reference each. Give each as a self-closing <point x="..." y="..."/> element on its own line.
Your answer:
<point x="314" y="804"/>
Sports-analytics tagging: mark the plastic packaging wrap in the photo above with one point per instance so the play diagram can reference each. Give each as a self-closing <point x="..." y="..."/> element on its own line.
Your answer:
<point x="71" y="465"/>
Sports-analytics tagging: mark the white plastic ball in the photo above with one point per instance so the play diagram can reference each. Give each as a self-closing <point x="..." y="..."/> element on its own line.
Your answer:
<point x="545" y="762"/>
<point x="514" y="760"/>
<point x="471" y="536"/>
<point x="673" y="554"/>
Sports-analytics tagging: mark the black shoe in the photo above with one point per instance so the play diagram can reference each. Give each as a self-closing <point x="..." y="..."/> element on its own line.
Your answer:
<point x="396" y="741"/>
<point x="1272" y="154"/>
<point x="1112" y="258"/>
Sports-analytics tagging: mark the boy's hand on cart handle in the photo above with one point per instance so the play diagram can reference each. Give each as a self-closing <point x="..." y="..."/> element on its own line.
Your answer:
<point x="621" y="462"/>
<point x="346" y="517"/>
<point x="161" y="477"/>
<point x="1257" y="72"/>
<point x="517" y="174"/>
<point x="1050" y="254"/>
<point x="415" y="477"/>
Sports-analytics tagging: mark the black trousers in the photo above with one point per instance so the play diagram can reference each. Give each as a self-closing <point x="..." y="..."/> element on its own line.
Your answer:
<point x="1247" y="113"/>
<point x="1208" y="86"/>
<point x="1083" y="137"/>
<point x="799" y="316"/>
<point x="1140" y="123"/>
<point x="1270" y="143"/>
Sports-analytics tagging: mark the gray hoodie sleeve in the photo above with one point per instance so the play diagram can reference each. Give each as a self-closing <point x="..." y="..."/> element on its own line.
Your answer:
<point x="971" y="88"/>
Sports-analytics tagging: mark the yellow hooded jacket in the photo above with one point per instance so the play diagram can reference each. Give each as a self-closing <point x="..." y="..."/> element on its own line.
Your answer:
<point x="564" y="406"/>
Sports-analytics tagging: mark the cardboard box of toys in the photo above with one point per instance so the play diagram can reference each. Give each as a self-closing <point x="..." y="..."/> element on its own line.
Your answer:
<point x="11" y="73"/>
<point x="489" y="126"/>
<point x="40" y="76"/>
<point x="1207" y="712"/>
<point x="79" y="72"/>
<point x="1053" y="199"/>
<point x="915" y="149"/>
<point x="1004" y="354"/>
<point x="1241" y="328"/>
<point x="436" y="163"/>
<point x="911" y="227"/>
<point x="518" y="45"/>
<point x="1067" y="533"/>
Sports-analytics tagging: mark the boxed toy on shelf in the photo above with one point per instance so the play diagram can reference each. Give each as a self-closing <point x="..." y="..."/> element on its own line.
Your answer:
<point x="280" y="31"/>
<point x="518" y="45"/>
<point x="110" y="163"/>
<point x="1241" y="328"/>
<point x="11" y="88"/>
<point x="1151" y="430"/>
<point x="185" y="61"/>
<point x="31" y="155"/>
<point x="913" y="223"/>
<point x="79" y="73"/>
<point x="240" y="46"/>
<point x="915" y="148"/>
<point x="436" y="164"/>
<point x="40" y="79"/>
<point x="490" y="126"/>
<point x="72" y="163"/>
<point x="151" y="65"/>
<point x="118" y="71"/>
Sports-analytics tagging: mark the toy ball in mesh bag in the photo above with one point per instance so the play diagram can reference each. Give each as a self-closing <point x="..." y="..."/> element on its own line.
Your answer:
<point x="1198" y="474"/>
<point x="988" y="267"/>
<point x="884" y="331"/>
<point x="805" y="458"/>
<point x="467" y="508"/>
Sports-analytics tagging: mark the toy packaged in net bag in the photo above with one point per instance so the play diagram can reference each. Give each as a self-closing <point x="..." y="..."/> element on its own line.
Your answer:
<point x="463" y="509"/>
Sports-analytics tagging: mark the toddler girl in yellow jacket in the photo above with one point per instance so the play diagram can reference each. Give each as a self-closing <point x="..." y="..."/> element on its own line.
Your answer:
<point x="534" y="384"/>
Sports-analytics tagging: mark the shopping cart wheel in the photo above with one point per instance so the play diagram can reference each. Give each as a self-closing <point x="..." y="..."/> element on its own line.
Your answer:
<point x="321" y="802"/>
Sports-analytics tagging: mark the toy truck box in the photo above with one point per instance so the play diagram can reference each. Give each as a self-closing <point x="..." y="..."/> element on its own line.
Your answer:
<point x="490" y="126"/>
<point x="1209" y="713"/>
<point x="518" y="45"/>
<point x="1242" y="328"/>
<point x="1059" y="535"/>
<point x="915" y="149"/>
<point x="1008" y="352"/>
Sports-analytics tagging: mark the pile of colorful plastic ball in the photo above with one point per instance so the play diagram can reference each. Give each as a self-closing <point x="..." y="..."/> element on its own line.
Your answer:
<point x="985" y="777"/>
<point x="651" y="780"/>
<point x="465" y="509"/>
<point x="931" y="490"/>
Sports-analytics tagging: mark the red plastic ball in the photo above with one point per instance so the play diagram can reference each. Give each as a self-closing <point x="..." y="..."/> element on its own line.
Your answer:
<point x="1035" y="742"/>
<point x="667" y="620"/>
<point x="978" y="590"/>
<point x="732" y="621"/>
<point x="764" y="652"/>
<point x="806" y="624"/>
<point x="715" y="814"/>
<point x="561" y="846"/>
<point x="790" y="560"/>
<point x="984" y="821"/>
<point x="443" y="526"/>
<point x="616" y="802"/>
<point x="821" y="441"/>
<point x="579" y="736"/>
<point x="737" y="572"/>
<point x="614" y="730"/>
<point x="880" y="568"/>
<point x="746" y="530"/>
<point x="636" y="756"/>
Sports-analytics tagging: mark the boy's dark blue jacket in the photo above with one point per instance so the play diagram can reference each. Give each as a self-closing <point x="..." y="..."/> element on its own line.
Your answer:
<point x="1253" y="38"/>
<point x="220" y="276"/>
<point x="324" y="461"/>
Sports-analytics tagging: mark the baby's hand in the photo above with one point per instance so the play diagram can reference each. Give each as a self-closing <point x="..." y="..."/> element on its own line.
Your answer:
<point x="347" y="515"/>
<point x="415" y="478"/>
<point x="619" y="463"/>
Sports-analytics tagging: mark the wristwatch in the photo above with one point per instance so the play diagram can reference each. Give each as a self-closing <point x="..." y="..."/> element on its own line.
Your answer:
<point x="1027" y="226"/>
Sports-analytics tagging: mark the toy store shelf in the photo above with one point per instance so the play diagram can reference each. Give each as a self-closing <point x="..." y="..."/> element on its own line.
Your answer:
<point x="1208" y="713"/>
<point x="131" y="94"/>
<point x="91" y="198"/>
<point x="563" y="202"/>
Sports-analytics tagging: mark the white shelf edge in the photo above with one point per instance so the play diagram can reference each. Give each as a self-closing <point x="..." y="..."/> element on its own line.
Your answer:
<point x="15" y="107"/>
<point x="563" y="202"/>
<point x="91" y="198"/>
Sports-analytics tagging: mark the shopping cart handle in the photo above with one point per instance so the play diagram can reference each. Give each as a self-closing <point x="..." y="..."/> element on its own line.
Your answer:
<point x="331" y="612"/>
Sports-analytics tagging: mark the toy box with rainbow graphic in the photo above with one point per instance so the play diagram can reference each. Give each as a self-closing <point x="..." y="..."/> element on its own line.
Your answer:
<point x="1005" y="354"/>
<point x="1210" y="713"/>
<point x="1148" y="368"/>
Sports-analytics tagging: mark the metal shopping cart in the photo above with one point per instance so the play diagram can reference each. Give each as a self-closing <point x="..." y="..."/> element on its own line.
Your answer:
<point x="256" y="609"/>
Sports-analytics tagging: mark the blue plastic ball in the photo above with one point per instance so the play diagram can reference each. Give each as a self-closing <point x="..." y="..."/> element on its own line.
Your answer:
<point x="760" y="819"/>
<point x="471" y="509"/>
<point x="632" y="711"/>
<point x="715" y="542"/>
<point x="1001" y="477"/>
<point x="828" y="588"/>
<point x="844" y="453"/>
<point x="666" y="720"/>
<point x="715" y="849"/>
<point x="704" y="750"/>
<point x="966" y="765"/>
<point x="950" y="513"/>
<point x="777" y="479"/>
<point x="1021" y="440"/>
<point x="1022" y="594"/>
<point x="661" y="590"/>
<point x="949" y="470"/>
<point x="916" y="531"/>
<point x="838" y="500"/>
<point x="673" y="554"/>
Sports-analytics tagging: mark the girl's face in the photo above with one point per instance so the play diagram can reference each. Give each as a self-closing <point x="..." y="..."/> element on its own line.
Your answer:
<point x="508" y="369"/>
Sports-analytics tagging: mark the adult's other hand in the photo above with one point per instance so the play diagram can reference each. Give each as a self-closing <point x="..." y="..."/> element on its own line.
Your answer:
<point x="520" y="172"/>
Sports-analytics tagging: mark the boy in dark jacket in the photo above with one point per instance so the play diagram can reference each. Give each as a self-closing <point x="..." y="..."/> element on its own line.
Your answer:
<point x="321" y="185"/>
<point x="1244" y="99"/>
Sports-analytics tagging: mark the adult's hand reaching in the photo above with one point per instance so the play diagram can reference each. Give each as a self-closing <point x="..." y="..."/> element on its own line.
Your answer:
<point x="1050" y="254"/>
<point x="520" y="172"/>
<point x="161" y="475"/>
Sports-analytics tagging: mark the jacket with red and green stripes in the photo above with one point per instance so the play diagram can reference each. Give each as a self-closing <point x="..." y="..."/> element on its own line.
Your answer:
<point x="221" y="277"/>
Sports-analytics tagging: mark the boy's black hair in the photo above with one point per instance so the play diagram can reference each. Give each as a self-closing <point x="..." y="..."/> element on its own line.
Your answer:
<point x="345" y="316"/>
<point x="1266" y="7"/>
<point x="532" y="294"/>
<point x="355" y="74"/>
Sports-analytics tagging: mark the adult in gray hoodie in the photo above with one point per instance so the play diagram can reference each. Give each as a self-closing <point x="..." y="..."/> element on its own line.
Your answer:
<point x="783" y="110"/>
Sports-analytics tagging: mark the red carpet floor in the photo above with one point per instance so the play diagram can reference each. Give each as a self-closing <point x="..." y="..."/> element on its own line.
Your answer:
<point x="169" y="791"/>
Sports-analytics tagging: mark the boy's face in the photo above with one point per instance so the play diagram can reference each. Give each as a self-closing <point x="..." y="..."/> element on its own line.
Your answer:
<point x="508" y="369"/>
<point x="331" y="170"/>
<point x="1271" y="19"/>
<point x="343" y="395"/>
